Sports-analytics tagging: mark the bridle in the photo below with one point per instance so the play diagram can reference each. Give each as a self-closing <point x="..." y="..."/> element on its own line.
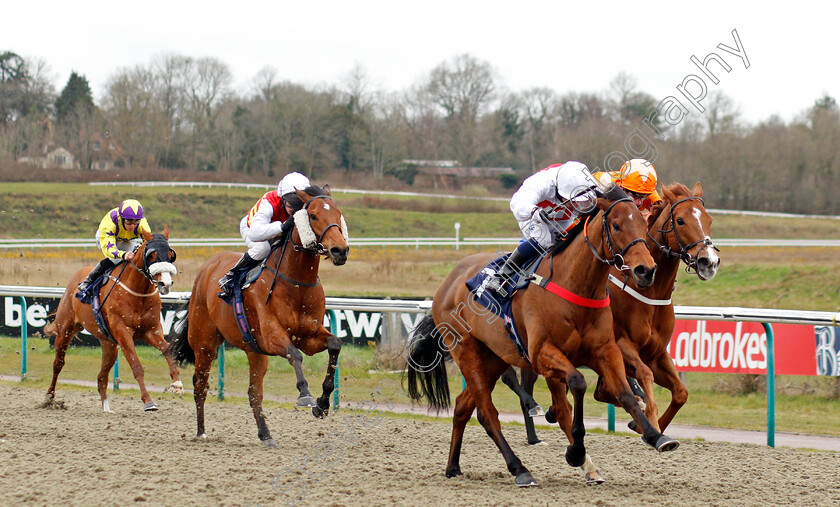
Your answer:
<point x="318" y="248"/>
<point x="617" y="253"/>
<point x="683" y="253"/>
<point x="158" y="242"/>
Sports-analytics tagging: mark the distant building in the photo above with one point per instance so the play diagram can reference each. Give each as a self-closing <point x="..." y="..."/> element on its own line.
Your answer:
<point x="454" y="176"/>
<point x="58" y="158"/>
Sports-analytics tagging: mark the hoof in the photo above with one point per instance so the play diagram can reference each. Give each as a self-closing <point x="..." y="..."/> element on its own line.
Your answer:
<point x="538" y="442"/>
<point x="594" y="478"/>
<point x="201" y="436"/>
<point x="665" y="444"/>
<point x="525" y="480"/>
<point x="536" y="411"/>
<point x="633" y="426"/>
<point x="150" y="407"/>
<point x="575" y="461"/>
<point x="455" y="472"/>
<point x="269" y="443"/>
<point x="176" y="388"/>
<point x="306" y="401"/>
<point x="319" y="413"/>
<point x="549" y="416"/>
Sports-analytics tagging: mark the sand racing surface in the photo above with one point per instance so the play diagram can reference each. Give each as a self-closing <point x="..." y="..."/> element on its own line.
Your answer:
<point x="80" y="456"/>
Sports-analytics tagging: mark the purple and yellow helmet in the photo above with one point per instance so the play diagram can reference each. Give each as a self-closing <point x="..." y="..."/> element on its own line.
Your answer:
<point x="131" y="209"/>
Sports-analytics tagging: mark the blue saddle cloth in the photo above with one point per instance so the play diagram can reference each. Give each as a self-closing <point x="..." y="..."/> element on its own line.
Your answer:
<point x="91" y="297"/>
<point x="502" y="306"/>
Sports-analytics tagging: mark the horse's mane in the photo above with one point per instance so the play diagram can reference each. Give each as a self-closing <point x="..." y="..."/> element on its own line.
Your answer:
<point x="678" y="189"/>
<point x="296" y="203"/>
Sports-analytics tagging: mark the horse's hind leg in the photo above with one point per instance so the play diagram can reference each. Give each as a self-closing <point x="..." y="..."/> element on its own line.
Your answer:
<point x="64" y="334"/>
<point x="109" y="357"/>
<point x="464" y="407"/>
<point x="295" y="358"/>
<point x="481" y="369"/>
<point x="258" y="365"/>
<point x="204" y="357"/>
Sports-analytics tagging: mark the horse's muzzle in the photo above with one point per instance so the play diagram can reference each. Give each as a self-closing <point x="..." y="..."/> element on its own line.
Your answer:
<point x="338" y="256"/>
<point x="707" y="267"/>
<point x="643" y="276"/>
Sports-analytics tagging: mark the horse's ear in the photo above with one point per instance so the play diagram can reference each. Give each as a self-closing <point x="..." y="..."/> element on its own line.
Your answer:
<point x="697" y="190"/>
<point x="327" y="189"/>
<point x="602" y="203"/>
<point x="669" y="196"/>
<point x="147" y="236"/>
<point x="166" y="232"/>
<point x="304" y="197"/>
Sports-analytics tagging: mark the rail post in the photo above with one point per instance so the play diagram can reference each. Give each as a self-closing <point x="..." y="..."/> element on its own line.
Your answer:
<point x="24" y="333"/>
<point x="222" y="371"/>
<point x="611" y="418"/>
<point x="117" y="371"/>
<point x="771" y="386"/>
<point x="334" y="330"/>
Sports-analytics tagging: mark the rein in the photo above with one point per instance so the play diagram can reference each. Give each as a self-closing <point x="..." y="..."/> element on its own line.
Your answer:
<point x="683" y="254"/>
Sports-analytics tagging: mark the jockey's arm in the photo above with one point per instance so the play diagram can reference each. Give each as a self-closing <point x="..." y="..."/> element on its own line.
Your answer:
<point x="532" y="192"/>
<point x="262" y="228"/>
<point x="143" y="226"/>
<point x="108" y="239"/>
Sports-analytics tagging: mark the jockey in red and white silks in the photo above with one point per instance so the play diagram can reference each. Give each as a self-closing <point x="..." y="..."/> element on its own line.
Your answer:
<point x="546" y="206"/>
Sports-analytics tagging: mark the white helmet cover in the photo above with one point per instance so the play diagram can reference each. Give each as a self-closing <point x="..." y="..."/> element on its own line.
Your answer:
<point x="292" y="182"/>
<point x="573" y="179"/>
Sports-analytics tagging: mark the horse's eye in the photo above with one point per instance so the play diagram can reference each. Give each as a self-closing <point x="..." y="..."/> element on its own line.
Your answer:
<point x="312" y="216"/>
<point x="680" y="221"/>
<point x="616" y="227"/>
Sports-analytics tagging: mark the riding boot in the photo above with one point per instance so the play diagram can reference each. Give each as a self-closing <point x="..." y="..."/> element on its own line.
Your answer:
<point x="244" y="264"/>
<point x="524" y="252"/>
<point x="97" y="271"/>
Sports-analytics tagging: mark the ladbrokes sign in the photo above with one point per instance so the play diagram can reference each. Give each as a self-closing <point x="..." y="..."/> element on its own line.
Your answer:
<point x="741" y="347"/>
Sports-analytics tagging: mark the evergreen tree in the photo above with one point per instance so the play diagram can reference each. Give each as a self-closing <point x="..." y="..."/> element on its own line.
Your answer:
<point x="76" y="97"/>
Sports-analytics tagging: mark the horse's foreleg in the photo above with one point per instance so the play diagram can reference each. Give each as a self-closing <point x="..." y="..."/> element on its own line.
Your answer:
<point x="323" y="406"/>
<point x="258" y="365"/>
<point x="126" y="342"/>
<point x="155" y="339"/>
<point x="665" y="374"/>
<point x="559" y="373"/>
<point x="464" y="407"/>
<point x="295" y="358"/>
<point x="610" y="365"/>
<point x="109" y="357"/>
<point x="529" y="378"/>
<point x="633" y="363"/>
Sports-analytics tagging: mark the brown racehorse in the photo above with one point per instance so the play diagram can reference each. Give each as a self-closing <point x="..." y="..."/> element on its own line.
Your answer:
<point x="130" y="302"/>
<point x="679" y="229"/>
<point x="559" y="335"/>
<point x="285" y="309"/>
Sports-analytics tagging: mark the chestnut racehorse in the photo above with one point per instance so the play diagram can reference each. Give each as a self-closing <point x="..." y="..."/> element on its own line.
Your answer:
<point x="285" y="309"/>
<point x="130" y="303"/>
<point x="559" y="336"/>
<point x="679" y="229"/>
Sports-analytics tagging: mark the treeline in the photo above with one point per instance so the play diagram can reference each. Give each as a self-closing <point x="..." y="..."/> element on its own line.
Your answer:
<point x="179" y="112"/>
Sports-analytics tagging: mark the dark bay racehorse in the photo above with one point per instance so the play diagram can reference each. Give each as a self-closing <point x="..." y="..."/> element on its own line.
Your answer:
<point x="130" y="302"/>
<point x="679" y="229"/>
<point x="285" y="308"/>
<point x="559" y="336"/>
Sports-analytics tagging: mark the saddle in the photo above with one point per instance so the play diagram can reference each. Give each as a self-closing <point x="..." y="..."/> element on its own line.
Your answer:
<point x="501" y="307"/>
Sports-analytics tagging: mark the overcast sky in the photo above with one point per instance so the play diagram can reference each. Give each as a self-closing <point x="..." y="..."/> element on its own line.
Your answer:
<point x="581" y="46"/>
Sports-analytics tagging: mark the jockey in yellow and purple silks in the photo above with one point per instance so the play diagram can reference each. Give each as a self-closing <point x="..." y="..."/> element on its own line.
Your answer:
<point x="119" y="233"/>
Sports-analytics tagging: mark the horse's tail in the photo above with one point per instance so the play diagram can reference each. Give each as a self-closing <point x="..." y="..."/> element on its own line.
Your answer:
<point x="180" y="345"/>
<point x="426" y="365"/>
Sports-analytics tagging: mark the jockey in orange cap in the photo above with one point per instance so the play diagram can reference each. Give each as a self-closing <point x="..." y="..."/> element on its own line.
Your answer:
<point x="638" y="178"/>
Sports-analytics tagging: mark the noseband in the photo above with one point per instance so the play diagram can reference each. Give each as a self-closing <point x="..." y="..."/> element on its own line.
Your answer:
<point x="617" y="259"/>
<point x="683" y="254"/>
<point x="318" y="248"/>
<point x="156" y="244"/>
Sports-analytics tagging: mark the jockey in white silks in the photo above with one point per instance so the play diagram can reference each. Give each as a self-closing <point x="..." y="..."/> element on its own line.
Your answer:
<point x="547" y="206"/>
